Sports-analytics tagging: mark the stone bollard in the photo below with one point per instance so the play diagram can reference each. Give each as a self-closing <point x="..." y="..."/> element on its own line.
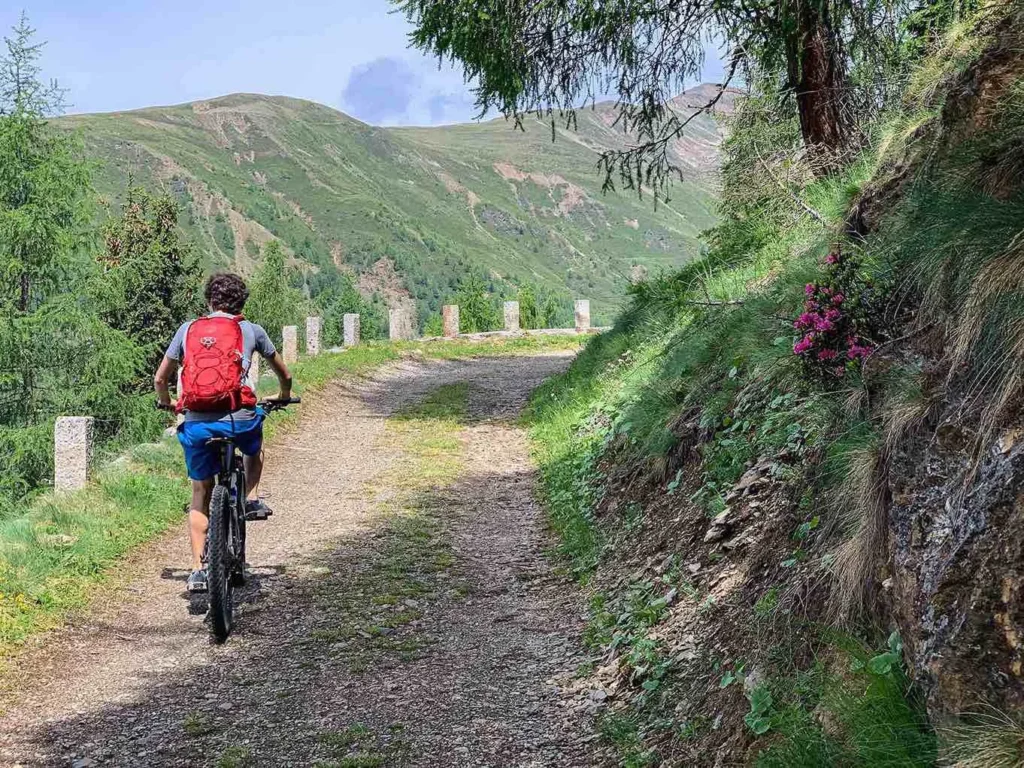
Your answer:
<point x="290" y="339"/>
<point x="512" y="316"/>
<point x="252" y="377"/>
<point x="350" y="328"/>
<point x="72" y="451"/>
<point x="312" y="336"/>
<point x="450" y="320"/>
<point x="400" y="323"/>
<point x="394" y="323"/>
<point x="582" y="312"/>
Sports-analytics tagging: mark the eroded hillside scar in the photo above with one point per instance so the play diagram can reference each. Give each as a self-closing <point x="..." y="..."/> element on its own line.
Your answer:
<point x="401" y="609"/>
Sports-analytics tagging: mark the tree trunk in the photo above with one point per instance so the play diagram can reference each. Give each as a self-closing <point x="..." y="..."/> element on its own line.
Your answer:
<point x="23" y="299"/>
<point x="820" y="82"/>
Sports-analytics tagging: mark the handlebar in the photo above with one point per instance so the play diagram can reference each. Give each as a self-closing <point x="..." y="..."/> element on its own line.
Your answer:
<point x="267" y="403"/>
<point x="276" y="404"/>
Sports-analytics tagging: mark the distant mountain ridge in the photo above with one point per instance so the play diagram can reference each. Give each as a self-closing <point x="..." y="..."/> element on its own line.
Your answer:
<point x="408" y="210"/>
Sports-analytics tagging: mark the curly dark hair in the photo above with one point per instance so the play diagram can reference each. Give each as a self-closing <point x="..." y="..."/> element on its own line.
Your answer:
<point x="226" y="292"/>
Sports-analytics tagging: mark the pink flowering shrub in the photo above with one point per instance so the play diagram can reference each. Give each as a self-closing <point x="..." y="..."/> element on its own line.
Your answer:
<point x="835" y="324"/>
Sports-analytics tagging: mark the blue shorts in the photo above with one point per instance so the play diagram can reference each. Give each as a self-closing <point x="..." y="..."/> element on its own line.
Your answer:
<point x="203" y="459"/>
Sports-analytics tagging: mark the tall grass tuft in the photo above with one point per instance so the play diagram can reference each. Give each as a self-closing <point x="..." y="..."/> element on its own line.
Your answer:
<point x="986" y="739"/>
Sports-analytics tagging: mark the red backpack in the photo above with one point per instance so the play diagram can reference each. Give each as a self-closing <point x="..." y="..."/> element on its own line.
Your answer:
<point x="211" y="377"/>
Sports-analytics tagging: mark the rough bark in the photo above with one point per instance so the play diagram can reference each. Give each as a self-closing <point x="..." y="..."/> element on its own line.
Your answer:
<point x="817" y="71"/>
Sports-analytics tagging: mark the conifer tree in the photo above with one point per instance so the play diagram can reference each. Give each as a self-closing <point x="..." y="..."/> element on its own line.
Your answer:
<point x="273" y="302"/>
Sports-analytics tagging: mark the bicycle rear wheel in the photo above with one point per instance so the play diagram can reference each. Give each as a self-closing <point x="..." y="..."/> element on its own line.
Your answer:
<point x="219" y="564"/>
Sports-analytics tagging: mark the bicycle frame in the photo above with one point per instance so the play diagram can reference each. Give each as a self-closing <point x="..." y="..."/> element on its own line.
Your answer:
<point x="232" y="470"/>
<point x="232" y="476"/>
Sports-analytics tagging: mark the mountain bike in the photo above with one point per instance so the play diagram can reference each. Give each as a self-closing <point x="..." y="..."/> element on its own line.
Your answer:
<point x="224" y="550"/>
<point x="224" y="553"/>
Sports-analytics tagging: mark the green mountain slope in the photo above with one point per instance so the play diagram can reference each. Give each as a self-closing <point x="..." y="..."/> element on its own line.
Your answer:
<point x="408" y="210"/>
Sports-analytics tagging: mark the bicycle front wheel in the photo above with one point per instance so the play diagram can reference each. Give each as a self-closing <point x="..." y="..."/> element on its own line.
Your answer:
<point x="219" y="564"/>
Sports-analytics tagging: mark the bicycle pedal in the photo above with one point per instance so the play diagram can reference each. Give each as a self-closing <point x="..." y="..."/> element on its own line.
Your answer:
<point x="257" y="515"/>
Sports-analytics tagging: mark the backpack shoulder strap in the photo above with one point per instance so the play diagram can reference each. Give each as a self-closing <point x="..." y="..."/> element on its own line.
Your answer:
<point x="184" y="338"/>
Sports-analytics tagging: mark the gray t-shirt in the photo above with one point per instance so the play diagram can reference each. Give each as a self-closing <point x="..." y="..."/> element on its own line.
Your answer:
<point x="254" y="339"/>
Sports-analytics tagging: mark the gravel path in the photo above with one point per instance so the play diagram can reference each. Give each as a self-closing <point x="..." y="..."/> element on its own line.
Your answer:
<point x="482" y="676"/>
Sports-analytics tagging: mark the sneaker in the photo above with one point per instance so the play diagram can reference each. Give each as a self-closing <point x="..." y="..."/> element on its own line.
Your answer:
<point x="197" y="581"/>
<point x="257" y="509"/>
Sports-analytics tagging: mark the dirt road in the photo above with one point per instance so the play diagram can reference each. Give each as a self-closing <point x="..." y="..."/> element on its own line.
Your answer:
<point x="393" y="617"/>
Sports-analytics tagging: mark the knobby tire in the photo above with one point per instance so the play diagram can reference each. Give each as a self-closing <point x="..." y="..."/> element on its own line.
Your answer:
<point x="219" y="564"/>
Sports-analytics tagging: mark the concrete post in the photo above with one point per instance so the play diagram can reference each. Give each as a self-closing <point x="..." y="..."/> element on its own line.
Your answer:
<point x="450" y="320"/>
<point x="72" y="451"/>
<point x="312" y="336"/>
<point x="582" y="312"/>
<point x="394" y="323"/>
<point x="290" y="337"/>
<point x="400" y="323"/>
<point x="350" y="327"/>
<point x="512" y="316"/>
<point x="252" y="378"/>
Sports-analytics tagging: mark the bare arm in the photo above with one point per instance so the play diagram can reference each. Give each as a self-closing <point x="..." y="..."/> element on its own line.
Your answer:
<point x="284" y="376"/>
<point x="162" y="380"/>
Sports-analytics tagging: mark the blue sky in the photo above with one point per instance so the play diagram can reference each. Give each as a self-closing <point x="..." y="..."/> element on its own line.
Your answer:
<point x="349" y="54"/>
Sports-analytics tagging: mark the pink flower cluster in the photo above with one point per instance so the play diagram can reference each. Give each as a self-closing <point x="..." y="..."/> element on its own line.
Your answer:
<point x="857" y="351"/>
<point x="830" y="340"/>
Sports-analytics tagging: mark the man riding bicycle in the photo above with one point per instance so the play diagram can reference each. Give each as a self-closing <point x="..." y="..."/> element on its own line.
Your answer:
<point x="216" y="352"/>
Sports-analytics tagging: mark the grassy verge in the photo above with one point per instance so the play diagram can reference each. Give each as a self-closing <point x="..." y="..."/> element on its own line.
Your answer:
<point x="60" y="548"/>
<point x="491" y="347"/>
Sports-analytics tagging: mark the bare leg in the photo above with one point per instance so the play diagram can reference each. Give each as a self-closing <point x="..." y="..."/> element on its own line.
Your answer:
<point x="253" y="472"/>
<point x="199" y="519"/>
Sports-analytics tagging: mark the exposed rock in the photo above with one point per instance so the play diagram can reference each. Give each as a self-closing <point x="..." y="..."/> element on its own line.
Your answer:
<point x="959" y="563"/>
<point x="598" y="695"/>
<point x="752" y="678"/>
<point x="720" y="527"/>
<point x="751" y="477"/>
<point x="744" y="539"/>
